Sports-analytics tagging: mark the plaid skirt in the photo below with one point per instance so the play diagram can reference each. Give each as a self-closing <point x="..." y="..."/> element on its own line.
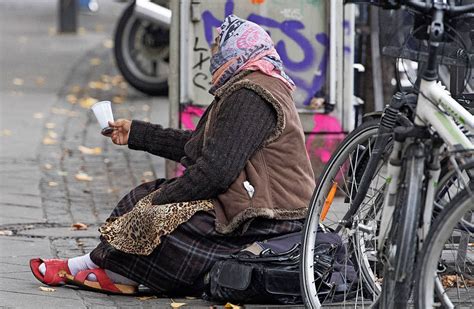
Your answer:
<point x="179" y="263"/>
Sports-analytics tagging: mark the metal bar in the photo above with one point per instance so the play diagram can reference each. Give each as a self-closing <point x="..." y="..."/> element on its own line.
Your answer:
<point x="153" y="12"/>
<point x="67" y="19"/>
<point x="376" y="59"/>
<point x="348" y="112"/>
<point x="173" y="78"/>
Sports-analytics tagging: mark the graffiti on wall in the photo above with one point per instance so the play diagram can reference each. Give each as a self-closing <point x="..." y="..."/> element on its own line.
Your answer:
<point x="308" y="68"/>
<point x="302" y="44"/>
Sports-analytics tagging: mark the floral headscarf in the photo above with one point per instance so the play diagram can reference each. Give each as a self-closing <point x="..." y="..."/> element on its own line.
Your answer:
<point x="244" y="45"/>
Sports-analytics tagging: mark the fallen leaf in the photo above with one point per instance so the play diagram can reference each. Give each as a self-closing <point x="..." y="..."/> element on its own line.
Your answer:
<point x="51" y="31"/>
<point x="49" y="141"/>
<point x="76" y="89"/>
<point x="50" y="125"/>
<point x="38" y="115"/>
<point x="177" y="305"/>
<point x="105" y="78"/>
<point x="47" y="166"/>
<point x="52" y="134"/>
<point x="87" y="102"/>
<point x="83" y="177"/>
<point x="62" y="173"/>
<point x="99" y="28"/>
<point x="190" y="297"/>
<point x="118" y="99"/>
<point x="59" y="111"/>
<point x="18" y="81"/>
<point x="5" y="132"/>
<point x="231" y="306"/>
<point x="123" y="85"/>
<point x="146" y="119"/>
<point x="40" y="80"/>
<point x="90" y="151"/>
<point x="79" y="226"/>
<point x="53" y="184"/>
<point x="112" y="190"/>
<point x="146" y="108"/>
<point x="45" y="289"/>
<point x="95" y="61"/>
<point x="98" y="85"/>
<point x="146" y="297"/>
<point x="6" y="233"/>
<point x="81" y="31"/>
<point x="108" y="43"/>
<point x="71" y="98"/>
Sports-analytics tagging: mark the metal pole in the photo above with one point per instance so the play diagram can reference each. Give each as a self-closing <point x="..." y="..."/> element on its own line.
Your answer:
<point x="376" y="59"/>
<point x="173" y="77"/>
<point x="67" y="19"/>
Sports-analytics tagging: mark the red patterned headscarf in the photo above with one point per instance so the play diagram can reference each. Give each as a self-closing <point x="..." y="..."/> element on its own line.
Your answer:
<point x="244" y="45"/>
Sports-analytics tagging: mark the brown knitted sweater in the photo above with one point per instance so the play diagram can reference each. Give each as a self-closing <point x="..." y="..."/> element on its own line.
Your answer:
<point x="244" y="124"/>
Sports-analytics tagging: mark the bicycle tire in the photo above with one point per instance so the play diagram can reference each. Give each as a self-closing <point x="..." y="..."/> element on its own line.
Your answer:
<point x="360" y="136"/>
<point x="428" y="286"/>
<point x="398" y="269"/>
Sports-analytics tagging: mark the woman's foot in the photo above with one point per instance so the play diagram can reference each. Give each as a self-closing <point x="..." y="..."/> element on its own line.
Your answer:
<point x="52" y="272"/>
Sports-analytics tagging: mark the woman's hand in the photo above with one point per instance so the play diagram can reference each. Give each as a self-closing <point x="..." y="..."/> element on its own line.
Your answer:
<point x="121" y="131"/>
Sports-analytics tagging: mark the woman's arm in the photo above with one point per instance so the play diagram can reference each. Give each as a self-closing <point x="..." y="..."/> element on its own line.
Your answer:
<point x="243" y="123"/>
<point x="153" y="138"/>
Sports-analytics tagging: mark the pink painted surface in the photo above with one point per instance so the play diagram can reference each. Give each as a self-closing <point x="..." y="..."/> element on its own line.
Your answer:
<point x="324" y="123"/>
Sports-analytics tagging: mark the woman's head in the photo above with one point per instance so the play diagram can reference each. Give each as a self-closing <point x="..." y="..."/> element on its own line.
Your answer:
<point x="243" y="45"/>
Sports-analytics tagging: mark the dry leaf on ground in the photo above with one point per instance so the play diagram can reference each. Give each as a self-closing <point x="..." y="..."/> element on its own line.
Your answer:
<point x="146" y="108"/>
<point x="231" y="306"/>
<point x="75" y="89"/>
<point x="40" y="80"/>
<point x="79" y="226"/>
<point x="6" y="233"/>
<point x="98" y="85"/>
<point x="71" y="98"/>
<point x="90" y="151"/>
<point x="52" y="134"/>
<point x="87" y="102"/>
<point x="38" y="115"/>
<point x="18" y="81"/>
<point x="50" y="125"/>
<point x="146" y="297"/>
<point x="95" y="61"/>
<point x="108" y="43"/>
<point x="118" y="100"/>
<point x="83" y="177"/>
<point x="176" y="305"/>
<point x="53" y="184"/>
<point x="81" y="31"/>
<point x="45" y="289"/>
<point x="5" y="132"/>
<point x="47" y="166"/>
<point x="49" y="141"/>
<point x="147" y="173"/>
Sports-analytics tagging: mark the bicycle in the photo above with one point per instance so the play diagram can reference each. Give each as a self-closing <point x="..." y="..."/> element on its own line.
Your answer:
<point x="433" y="109"/>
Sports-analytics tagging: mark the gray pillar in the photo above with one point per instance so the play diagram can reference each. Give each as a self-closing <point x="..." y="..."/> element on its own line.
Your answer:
<point x="67" y="16"/>
<point x="173" y="77"/>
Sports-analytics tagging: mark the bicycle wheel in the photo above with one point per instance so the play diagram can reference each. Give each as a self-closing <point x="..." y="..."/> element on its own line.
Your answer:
<point x="445" y="270"/>
<point x="401" y="249"/>
<point x="331" y="200"/>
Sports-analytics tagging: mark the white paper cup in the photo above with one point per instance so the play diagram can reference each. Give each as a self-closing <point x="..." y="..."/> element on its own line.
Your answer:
<point x="103" y="112"/>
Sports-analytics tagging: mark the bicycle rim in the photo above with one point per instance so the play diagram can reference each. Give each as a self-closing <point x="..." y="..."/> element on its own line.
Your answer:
<point x="331" y="199"/>
<point x="446" y="268"/>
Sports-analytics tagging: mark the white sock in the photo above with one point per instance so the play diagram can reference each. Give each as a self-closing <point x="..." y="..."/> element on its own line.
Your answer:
<point x="84" y="262"/>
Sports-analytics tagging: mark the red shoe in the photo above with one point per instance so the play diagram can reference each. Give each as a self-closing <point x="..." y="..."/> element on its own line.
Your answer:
<point x="56" y="270"/>
<point x="103" y="283"/>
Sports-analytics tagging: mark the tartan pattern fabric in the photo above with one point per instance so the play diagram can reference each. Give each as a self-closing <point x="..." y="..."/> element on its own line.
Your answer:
<point x="178" y="265"/>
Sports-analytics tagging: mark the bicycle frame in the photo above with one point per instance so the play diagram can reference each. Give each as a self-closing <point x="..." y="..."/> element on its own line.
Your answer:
<point x="435" y="109"/>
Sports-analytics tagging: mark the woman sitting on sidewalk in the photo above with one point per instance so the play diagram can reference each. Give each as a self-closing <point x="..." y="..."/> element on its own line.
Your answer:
<point x="247" y="178"/>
